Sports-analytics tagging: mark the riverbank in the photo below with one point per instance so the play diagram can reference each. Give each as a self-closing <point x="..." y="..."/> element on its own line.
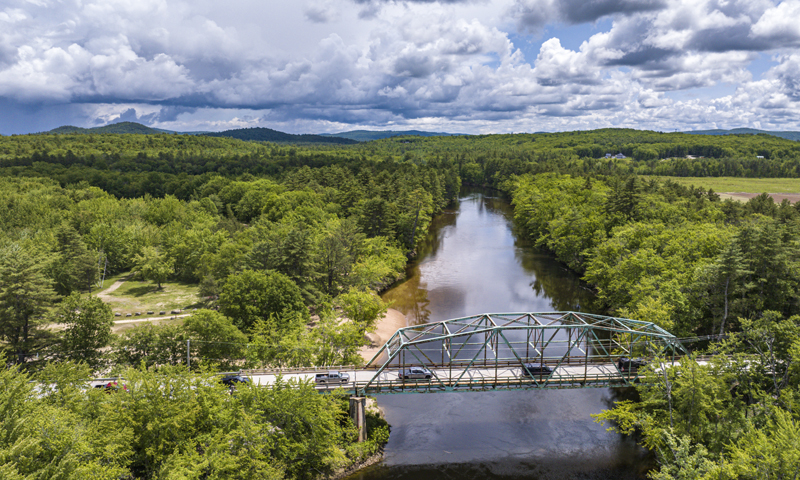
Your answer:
<point x="384" y="329"/>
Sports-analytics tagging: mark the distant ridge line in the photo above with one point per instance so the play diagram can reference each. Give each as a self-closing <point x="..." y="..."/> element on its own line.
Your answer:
<point x="789" y="135"/>
<point x="367" y="135"/>
<point x="261" y="134"/>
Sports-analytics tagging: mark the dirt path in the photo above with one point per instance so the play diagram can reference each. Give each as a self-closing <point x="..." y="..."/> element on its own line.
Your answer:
<point x="150" y="319"/>
<point x="105" y="294"/>
<point x="776" y="197"/>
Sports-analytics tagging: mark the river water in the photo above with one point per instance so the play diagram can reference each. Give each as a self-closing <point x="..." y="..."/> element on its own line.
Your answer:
<point x="473" y="262"/>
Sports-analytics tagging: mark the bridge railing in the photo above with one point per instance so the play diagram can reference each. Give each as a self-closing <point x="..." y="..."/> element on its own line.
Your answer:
<point x="590" y="380"/>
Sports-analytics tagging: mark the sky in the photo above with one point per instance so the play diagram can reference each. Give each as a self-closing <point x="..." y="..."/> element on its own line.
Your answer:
<point x="462" y="66"/>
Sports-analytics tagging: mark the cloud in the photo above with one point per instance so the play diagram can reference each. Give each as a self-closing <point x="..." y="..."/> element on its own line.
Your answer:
<point x="198" y="65"/>
<point x="532" y="15"/>
<point x="321" y="12"/>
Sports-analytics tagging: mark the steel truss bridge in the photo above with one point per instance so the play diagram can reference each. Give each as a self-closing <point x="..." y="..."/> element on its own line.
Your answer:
<point x="486" y="352"/>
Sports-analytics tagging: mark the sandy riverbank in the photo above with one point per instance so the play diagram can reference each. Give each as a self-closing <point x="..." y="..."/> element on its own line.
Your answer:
<point x="384" y="330"/>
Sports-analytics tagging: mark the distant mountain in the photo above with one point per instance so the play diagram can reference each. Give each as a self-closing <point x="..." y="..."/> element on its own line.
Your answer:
<point x="748" y="131"/>
<point x="121" y="127"/>
<point x="367" y="135"/>
<point x="260" y="134"/>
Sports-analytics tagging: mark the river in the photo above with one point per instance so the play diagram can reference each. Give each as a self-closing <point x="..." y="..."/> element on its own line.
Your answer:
<point x="473" y="262"/>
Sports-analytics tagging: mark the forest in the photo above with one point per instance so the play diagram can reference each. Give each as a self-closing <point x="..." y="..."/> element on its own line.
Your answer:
<point x="285" y="240"/>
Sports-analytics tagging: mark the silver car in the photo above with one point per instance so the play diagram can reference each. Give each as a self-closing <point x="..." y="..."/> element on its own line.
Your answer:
<point x="414" y="373"/>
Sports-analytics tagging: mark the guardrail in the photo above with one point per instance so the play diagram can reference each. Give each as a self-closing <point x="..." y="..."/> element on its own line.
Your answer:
<point x="435" y="385"/>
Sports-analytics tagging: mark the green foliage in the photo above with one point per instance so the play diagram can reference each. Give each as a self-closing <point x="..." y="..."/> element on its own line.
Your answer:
<point x="361" y="307"/>
<point x="74" y="266"/>
<point x="268" y="297"/>
<point x="153" y="265"/>
<point x="336" y="341"/>
<point x="166" y="424"/>
<point x="87" y="329"/>
<point x="150" y="345"/>
<point x="25" y="296"/>
<point x="215" y="340"/>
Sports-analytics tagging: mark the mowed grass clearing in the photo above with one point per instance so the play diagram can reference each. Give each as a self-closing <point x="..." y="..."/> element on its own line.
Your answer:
<point x="138" y="296"/>
<point x="744" y="185"/>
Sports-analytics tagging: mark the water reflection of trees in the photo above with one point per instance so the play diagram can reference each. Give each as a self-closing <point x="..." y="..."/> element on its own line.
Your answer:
<point x="557" y="283"/>
<point x="411" y="298"/>
<point x="438" y="230"/>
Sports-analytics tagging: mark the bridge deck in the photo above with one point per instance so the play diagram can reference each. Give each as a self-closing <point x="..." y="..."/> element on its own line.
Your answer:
<point x="447" y="379"/>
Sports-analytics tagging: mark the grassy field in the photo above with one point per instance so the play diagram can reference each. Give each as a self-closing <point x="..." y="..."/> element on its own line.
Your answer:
<point x="137" y="296"/>
<point x="746" y="185"/>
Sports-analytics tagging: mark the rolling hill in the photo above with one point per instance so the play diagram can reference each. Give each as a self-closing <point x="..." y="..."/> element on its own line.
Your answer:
<point x="748" y="131"/>
<point x="260" y="134"/>
<point x="122" y="127"/>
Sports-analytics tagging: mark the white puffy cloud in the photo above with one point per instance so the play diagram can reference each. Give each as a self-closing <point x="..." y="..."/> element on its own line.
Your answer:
<point x="323" y="65"/>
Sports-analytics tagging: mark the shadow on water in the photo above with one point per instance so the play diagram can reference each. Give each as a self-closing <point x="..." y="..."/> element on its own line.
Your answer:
<point x="473" y="262"/>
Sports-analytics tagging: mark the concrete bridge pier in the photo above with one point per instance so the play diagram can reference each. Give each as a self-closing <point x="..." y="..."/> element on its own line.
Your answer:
<point x="358" y="407"/>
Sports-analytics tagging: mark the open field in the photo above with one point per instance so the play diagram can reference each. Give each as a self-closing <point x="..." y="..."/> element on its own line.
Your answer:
<point x="745" y="188"/>
<point x="131" y="296"/>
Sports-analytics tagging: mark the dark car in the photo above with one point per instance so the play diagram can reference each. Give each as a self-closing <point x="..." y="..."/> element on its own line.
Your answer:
<point x="536" y="370"/>
<point x="626" y="364"/>
<point x="232" y="380"/>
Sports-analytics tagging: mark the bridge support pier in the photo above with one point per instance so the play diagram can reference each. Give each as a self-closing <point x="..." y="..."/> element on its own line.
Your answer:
<point x="358" y="407"/>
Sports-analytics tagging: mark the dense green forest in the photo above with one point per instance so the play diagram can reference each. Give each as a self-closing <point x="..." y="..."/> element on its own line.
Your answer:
<point x="285" y="240"/>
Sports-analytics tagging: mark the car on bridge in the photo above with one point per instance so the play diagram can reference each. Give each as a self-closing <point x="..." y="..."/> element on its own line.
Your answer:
<point x="536" y="370"/>
<point x="414" y="373"/>
<point x="231" y="381"/>
<point x="332" y="377"/>
<point x="626" y="364"/>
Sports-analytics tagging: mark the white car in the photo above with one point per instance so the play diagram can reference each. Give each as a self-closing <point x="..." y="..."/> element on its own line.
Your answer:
<point x="414" y="373"/>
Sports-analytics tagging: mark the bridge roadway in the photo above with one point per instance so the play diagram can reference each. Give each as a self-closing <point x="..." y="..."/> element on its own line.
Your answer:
<point x="480" y="378"/>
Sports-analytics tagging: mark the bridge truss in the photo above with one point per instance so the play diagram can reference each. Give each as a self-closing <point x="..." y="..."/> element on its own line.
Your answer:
<point x="486" y="352"/>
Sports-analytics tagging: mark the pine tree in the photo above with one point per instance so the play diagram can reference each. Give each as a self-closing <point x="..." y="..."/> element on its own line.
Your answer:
<point x="25" y="296"/>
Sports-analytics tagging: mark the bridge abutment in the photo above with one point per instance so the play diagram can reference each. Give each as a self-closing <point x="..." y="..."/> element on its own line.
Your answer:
<point x="358" y="406"/>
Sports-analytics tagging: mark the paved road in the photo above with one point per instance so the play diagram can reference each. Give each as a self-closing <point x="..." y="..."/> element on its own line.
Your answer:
<point x="474" y="378"/>
<point x="458" y="378"/>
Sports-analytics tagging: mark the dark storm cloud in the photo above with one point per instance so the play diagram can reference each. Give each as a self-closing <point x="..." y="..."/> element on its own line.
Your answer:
<point x="726" y="39"/>
<point x="583" y="11"/>
<point x="532" y="15"/>
<point x="643" y="56"/>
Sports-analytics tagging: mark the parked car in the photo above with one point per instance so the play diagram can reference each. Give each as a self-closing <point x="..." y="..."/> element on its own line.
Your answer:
<point x="231" y="380"/>
<point x="414" y="373"/>
<point x="626" y="364"/>
<point x="536" y="370"/>
<point x="332" y="377"/>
